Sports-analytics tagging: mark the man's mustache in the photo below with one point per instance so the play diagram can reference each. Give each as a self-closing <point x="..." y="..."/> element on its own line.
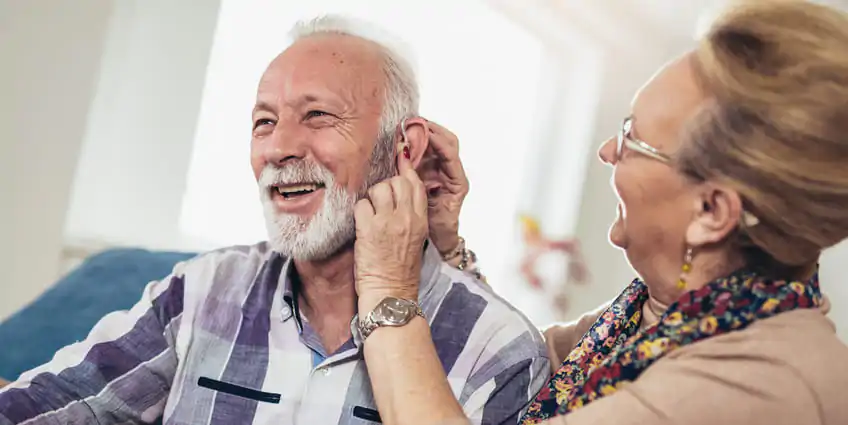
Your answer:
<point x="298" y="172"/>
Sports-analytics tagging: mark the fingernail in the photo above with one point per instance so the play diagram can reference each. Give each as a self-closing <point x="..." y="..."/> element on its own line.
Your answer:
<point x="406" y="152"/>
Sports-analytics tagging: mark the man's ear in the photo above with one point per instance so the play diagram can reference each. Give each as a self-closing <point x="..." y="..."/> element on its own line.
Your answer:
<point x="718" y="211"/>
<point x="416" y="135"/>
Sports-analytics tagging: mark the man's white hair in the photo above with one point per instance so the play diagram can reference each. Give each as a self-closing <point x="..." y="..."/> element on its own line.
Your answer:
<point x="401" y="91"/>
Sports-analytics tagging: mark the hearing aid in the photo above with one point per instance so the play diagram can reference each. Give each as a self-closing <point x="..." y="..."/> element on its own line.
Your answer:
<point x="403" y="146"/>
<point x="403" y="131"/>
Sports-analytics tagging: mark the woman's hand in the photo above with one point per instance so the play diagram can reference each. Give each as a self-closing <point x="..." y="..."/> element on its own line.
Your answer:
<point x="446" y="183"/>
<point x="391" y="226"/>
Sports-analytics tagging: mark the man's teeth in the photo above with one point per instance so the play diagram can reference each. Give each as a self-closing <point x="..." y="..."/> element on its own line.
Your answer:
<point x="298" y="189"/>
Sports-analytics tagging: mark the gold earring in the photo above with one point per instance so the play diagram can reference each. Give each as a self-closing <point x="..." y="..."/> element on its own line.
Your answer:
<point x="687" y="267"/>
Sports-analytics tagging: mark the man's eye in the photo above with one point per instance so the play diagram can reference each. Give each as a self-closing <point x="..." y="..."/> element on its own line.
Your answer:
<point x="315" y="114"/>
<point x="262" y="121"/>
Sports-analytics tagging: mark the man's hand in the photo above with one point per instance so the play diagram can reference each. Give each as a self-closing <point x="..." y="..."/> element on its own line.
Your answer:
<point x="391" y="225"/>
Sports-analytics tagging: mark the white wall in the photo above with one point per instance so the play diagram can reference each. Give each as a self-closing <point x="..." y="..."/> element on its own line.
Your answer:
<point x="47" y="79"/>
<point x="97" y="115"/>
<point x="833" y="284"/>
<point x="129" y="186"/>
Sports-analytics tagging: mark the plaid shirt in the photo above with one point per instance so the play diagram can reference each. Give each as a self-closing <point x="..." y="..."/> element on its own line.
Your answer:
<point x="221" y="341"/>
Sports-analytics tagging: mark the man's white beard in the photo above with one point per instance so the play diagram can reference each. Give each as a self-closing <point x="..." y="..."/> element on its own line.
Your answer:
<point x="316" y="237"/>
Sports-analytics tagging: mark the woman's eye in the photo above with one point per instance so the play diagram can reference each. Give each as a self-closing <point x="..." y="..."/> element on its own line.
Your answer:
<point x="262" y="121"/>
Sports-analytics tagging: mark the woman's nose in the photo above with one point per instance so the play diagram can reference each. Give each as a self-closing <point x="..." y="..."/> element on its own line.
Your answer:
<point x="606" y="153"/>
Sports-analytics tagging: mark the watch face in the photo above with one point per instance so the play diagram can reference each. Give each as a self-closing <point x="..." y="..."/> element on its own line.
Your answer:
<point x="395" y="311"/>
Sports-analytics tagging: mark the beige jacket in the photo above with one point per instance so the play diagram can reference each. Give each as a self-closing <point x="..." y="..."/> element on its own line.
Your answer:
<point x="790" y="369"/>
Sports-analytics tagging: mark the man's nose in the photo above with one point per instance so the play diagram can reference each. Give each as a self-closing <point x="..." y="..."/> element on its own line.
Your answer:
<point x="284" y="145"/>
<point x="606" y="153"/>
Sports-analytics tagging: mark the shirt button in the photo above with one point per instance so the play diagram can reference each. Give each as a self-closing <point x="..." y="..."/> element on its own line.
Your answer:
<point x="286" y="312"/>
<point x="325" y="371"/>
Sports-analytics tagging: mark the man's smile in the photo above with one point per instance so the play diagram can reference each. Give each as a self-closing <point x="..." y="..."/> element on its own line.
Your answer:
<point x="300" y="198"/>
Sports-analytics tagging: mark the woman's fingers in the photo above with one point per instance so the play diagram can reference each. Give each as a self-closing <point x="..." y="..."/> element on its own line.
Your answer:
<point x="447" y="139"/>
<point x="445" y="147"/>
<point x="363" y="212"/>
<point x="418" y="194"/>
<point x="402" y="191"/>
<point x="382" y="198"/>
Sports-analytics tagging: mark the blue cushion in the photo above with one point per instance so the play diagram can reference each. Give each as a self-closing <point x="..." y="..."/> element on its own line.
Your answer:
<point x="106" y="282"/>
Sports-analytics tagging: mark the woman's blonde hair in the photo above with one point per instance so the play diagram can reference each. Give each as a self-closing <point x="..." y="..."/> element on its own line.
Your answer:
<point x="776" y="127"/>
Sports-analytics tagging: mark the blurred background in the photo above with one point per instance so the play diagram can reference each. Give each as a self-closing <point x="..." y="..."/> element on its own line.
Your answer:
<point x="126" y="123"/>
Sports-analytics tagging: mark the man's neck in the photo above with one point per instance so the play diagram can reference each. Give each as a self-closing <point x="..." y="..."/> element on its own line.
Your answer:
<point x="327" y="297"/>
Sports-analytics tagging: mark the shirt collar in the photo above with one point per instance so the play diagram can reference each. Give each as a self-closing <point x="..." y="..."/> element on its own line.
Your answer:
<point x="289" y="307"/>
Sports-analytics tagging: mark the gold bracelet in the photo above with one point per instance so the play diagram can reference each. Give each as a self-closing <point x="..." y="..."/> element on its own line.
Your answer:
<point x="460" y="247"/>
<point x="467" y="260"/>
<point x="472" y="267"/>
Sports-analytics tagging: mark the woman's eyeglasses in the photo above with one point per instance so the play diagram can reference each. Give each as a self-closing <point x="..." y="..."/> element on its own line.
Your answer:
<point x="626" y="139"/>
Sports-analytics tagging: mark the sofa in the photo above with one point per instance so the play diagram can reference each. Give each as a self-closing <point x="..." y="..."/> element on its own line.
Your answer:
<point x="108" y="281"/>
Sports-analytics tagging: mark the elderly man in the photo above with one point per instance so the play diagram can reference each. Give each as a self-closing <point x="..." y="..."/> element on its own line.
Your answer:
<point x="270" y="333"/>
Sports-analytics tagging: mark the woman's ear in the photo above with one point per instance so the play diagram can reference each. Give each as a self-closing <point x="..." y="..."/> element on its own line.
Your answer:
<point x="414" y="133"/>
<point x="718" y="211"/>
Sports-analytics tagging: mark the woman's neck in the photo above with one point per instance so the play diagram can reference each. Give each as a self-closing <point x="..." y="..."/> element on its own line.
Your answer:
<point x="651" y="312"/>
<point x="707" y="266"/>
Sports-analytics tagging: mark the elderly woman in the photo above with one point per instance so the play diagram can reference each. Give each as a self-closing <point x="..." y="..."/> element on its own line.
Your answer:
<point x="731" y="176"/>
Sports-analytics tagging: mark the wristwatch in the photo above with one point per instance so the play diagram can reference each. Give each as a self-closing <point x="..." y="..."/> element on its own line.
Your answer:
<point x="390" y="311"/>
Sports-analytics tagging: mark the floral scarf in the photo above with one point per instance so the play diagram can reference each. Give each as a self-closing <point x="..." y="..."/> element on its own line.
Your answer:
<point x="614" y="352"/>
